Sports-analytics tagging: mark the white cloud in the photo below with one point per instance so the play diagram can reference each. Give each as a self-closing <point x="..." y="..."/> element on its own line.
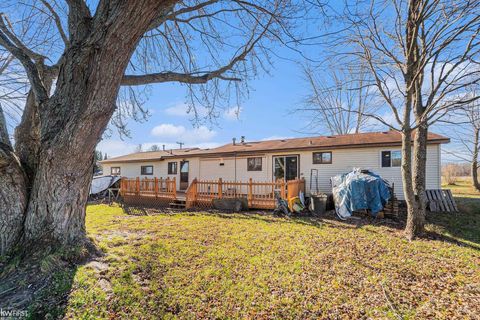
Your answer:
<point x="275" y="138"/>
<point x="173" y="145"/>
<point x="172" y="133"/>
<point x="233" y="113"/>
<point x="183" y="110"/>
<point x="168" y="131"/>
<point x="179" y="110"/>
<point x="115" y="148"/>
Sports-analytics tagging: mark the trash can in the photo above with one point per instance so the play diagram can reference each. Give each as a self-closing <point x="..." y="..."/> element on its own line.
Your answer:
<point x="318" y="203"/>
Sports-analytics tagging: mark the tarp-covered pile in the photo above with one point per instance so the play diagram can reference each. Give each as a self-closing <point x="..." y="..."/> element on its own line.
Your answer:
<point x="359" y="190"/>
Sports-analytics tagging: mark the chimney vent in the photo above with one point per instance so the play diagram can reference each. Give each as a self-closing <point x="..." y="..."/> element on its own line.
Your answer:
<point x="233" y="140"/>
<point x="242" y="139"/>
<point x="163" y="147"/>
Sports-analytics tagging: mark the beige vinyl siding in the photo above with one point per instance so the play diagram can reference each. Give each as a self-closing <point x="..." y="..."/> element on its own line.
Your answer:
<point x="210" y="169"/>
<point x="367" y="158"/>
<point x="343" y="160"/>
<point x="133" y="169"/>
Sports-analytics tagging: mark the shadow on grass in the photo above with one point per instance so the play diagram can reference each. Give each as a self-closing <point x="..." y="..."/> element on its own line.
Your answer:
<point x="38" y="284"/>
<point x="462" y="228"/>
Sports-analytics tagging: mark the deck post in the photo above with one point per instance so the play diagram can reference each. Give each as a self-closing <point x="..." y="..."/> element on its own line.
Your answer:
<point x="250" y="192"/>
<point x="174" y="187"/>
<point x="220" y="192"/>
<point x="283" y="187"/>
<point x="138" y="186"/>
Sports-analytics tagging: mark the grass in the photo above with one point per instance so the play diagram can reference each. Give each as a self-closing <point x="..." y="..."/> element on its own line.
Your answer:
<point x="199" y="265"/>
<point x="462" y="188"/>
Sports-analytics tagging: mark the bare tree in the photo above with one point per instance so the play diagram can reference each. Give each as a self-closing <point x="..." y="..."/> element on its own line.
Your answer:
<point x="78" y="57"/>
<point x="422" y="56"/>
<point x="155" y="147"/>
<point x="338" y="99"/>
<point x="467" y="137"/>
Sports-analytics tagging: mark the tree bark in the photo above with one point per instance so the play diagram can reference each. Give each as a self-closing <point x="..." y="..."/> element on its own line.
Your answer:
<point x="411" y="229"/>
<point x="476" y="140"/>
<point x="419" y="178"/>
<point x="71" y="123"/>
<point x="13" y="193"/>
<point x="414" y="185"/>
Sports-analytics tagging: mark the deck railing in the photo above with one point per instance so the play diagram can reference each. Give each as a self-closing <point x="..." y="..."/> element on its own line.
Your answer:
<point x="148" y="190"/>
<point x="260" y="195"/>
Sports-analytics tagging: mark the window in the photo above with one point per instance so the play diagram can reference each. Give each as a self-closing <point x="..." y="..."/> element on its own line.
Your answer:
<point x="391" y="158"/>
<point x="146" y="170"/>
<point x="172" y="168"/>
<point x="322" y="157"/>
<point x="115" y="171"/>
<point x="254" y="164"/>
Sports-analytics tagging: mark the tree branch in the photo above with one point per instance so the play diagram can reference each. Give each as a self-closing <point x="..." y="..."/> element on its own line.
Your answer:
<point x="7" y="40"/>
<point x="79" y="19"/>
<point x="58" y="22"/>
<point x="192" y="78"/>
<point x="3" y="129"/>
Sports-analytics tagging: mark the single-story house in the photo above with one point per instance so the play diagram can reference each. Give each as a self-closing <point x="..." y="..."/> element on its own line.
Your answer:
<point x="315" y="159"/>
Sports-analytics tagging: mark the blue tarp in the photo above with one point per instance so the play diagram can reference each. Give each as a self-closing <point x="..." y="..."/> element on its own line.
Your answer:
<point x="359" y="190"/>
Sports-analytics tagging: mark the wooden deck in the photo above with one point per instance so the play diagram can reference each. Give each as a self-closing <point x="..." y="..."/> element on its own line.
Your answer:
<point x="202" y="193"/>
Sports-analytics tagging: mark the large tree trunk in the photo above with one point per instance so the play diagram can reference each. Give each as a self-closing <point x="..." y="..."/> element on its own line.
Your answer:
<point x="414" y="186"/>
<point x="27" y="133"/>
<point x="475" y="181"/>
<point x="413" y="223"/>
<point x="71" y="123"/>
<point x="13" y="192"/>
<point x="419" y="179"/>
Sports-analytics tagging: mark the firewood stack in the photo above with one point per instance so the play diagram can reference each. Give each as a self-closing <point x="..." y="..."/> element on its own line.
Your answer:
<point x="391" y="208"/>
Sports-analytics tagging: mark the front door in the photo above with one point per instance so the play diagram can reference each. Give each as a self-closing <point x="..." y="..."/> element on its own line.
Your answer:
<point x="285" y="167"/>
<point x="184" y="175"/>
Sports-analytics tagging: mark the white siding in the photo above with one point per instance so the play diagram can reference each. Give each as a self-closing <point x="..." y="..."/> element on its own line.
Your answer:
<point x="133" y="169"/>
<point x="367" y="158"/>
<point x="210" y="169"/>
<point x="343" y="160"/>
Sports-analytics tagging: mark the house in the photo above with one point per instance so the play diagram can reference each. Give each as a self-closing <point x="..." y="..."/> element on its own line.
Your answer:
<point x="315" y="159"/>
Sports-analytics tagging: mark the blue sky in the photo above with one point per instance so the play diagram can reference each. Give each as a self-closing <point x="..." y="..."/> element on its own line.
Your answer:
<point x="265" y="113"/>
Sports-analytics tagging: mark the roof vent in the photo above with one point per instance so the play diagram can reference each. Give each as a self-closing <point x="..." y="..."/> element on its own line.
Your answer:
<point x="330" y="137"/>
<point x="233" y="140"/>
<point x="242" y="139"/>
<point x="283" y="140"/>
<point x="310" y="142"/>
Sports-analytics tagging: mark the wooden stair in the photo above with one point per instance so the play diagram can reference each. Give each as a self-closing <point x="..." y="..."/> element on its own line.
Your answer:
<point x="178" y="204"/>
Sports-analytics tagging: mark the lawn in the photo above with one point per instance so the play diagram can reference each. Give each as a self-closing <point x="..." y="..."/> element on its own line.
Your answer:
<point x="206" y="265"/>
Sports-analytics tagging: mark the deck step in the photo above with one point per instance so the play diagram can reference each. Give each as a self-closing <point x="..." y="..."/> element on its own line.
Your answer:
<point x="178" y="204"/>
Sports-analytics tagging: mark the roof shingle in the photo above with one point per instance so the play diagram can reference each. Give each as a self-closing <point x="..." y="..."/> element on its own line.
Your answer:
<point x="387" y="138"/>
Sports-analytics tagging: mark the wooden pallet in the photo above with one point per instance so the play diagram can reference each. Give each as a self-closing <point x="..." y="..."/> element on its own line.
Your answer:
<point x="441" y="201"/>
